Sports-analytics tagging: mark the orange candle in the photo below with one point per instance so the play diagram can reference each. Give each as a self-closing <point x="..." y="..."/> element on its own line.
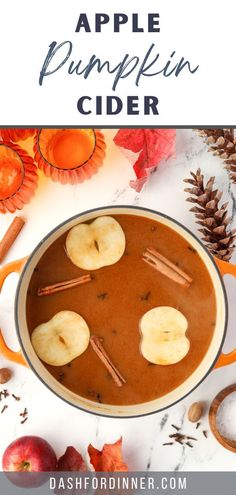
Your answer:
<point x="11" y="172"/>
<point x="18" y="177"/>
<point x="69" y="155"/>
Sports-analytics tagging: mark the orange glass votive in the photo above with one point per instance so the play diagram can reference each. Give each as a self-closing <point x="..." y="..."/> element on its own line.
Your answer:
<point x="69" y="155"/>
<point x="18" y="177"/>
<point x="15" y="134"/>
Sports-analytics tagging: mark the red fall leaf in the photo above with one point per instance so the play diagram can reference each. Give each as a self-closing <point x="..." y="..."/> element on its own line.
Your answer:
<point x="109" y="459"/>
<point x="153" y="145"/>
<point x="71" y="460"/>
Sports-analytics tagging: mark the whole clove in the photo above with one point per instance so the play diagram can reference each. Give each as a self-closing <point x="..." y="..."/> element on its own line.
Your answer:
<point x="145" y="297"/>
<point x="181" y="438"/>
<point x="177" y="428"/>
<point x="24" y="413"/>
<point x="24" y="420"/>
<point x="5" y="393"/>
<point x="102" y="296"/>
<point x="15" y="397"/>
<point x="61" y="377"/>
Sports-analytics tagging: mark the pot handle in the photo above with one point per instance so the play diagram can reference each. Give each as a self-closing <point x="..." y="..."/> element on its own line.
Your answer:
<point x="5" y="351"/>
<point x="226" y="268"/>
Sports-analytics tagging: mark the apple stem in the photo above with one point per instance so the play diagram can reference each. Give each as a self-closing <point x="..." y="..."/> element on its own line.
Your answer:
<point x="25" y="465"/>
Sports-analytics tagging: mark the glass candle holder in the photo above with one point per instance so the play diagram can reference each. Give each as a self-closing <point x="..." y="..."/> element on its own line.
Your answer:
<point x="18" y="177"/>
<point x="69" y="155"/>
<point x="15" y="134"/>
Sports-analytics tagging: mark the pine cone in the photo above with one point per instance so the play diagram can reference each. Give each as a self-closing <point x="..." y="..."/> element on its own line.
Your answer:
<point x="211" y="216"/>
<point x="222" y="143"/>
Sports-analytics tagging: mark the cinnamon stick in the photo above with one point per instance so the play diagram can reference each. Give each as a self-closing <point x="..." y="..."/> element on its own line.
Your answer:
<point x="10" y="236"/>
<point x="166" y="267"/>
<point x="111" y="368"/>
<point x="67" y="284"/>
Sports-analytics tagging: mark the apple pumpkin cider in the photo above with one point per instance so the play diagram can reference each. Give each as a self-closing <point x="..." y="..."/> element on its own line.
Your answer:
<point x="132" y="290"/>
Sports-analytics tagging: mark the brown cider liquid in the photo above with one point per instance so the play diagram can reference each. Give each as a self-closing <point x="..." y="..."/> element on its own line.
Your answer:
<point x="113" y="304"/>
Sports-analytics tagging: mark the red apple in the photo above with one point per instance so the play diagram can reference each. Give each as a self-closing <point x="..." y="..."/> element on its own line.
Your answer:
<point x="29" y="454"/>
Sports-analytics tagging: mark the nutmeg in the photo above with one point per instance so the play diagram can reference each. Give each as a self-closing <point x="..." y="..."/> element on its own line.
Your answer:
<point x="5" y="375"/>
<point x="195" y="412"/>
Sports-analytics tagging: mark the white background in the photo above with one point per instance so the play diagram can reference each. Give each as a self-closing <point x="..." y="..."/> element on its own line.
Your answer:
<point x="201" y="31"/>
<point x="49" y="416"/>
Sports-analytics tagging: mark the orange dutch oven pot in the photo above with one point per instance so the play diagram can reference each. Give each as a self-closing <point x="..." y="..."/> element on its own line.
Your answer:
<point x="213" y="358"/>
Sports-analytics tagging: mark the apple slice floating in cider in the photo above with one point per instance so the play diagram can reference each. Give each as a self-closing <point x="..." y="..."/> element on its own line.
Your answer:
<point x="164" y="338"/>
<point x="61" y="339"/>
<point x="100" y="243"/>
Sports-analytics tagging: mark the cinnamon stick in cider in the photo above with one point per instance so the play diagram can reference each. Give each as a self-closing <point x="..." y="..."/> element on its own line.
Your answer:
<point x="111" y="368"/>
<point x="10" y="236"/>
<point x="67" y="284"/>
<point x="166" y="267"/>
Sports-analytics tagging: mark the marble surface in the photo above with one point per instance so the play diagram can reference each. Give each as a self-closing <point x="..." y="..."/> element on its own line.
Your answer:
<point x="49" y="416"/>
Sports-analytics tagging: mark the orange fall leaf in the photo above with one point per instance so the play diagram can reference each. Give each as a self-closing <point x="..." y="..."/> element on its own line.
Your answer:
<point x="109" y="459"/>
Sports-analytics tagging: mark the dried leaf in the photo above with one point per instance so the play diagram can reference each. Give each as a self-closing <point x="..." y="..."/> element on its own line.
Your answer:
<point x="71" y="460"/>
<point x="154" y="145"/>
<point x="131" y="139"/>
<point x="109" y="459"/>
